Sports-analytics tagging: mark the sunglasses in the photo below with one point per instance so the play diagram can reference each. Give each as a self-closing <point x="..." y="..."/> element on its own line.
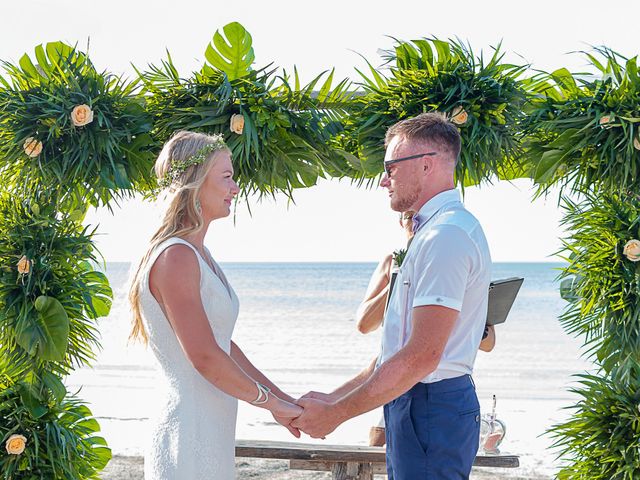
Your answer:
<point x="388" y="163"/>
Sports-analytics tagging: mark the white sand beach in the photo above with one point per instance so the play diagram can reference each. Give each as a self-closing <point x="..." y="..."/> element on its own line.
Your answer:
<point x="131" y="468"/>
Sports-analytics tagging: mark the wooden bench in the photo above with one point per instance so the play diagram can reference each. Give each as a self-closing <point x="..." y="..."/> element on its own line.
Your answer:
<point x="343" y="461"/>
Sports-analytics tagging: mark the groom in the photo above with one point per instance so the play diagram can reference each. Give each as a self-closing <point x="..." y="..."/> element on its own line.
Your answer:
<point x="434" y="322"/>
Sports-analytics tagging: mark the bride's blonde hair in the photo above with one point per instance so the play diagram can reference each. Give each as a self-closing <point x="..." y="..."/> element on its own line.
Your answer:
<point x="182" y="216"/>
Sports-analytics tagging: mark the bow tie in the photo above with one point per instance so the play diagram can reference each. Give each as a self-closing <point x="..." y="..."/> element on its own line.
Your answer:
<point x="417" y="222"/>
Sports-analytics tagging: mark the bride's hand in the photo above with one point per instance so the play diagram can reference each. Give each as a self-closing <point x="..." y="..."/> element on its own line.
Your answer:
<point x="284" y="413"/>
<point x="284" y="409"/>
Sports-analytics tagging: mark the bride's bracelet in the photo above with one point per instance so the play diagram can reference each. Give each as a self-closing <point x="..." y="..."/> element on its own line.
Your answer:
<point x="263" y="394"/>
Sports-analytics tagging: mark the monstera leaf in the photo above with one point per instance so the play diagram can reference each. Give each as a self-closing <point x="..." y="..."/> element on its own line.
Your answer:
<point x="46" y="334"/>
<point x="233" y="55"/>
<point x="51" y="57"/>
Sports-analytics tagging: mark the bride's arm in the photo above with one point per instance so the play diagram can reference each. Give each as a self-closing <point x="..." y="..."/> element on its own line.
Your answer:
<point x="175" y="282"/>
<point x="241" y="359"/>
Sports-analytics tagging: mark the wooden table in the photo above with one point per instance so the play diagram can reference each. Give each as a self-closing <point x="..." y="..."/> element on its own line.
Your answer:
<point x="345" y="462"/>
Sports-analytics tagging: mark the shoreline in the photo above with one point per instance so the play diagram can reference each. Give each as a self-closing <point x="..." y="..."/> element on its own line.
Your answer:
<point x="123" y="467"/>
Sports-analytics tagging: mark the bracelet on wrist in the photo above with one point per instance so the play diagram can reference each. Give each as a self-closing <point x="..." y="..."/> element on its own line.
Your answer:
<point x="263" y="394"/>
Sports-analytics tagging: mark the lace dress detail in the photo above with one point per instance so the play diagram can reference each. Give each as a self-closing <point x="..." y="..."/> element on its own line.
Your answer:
<point x="193" y="430"/>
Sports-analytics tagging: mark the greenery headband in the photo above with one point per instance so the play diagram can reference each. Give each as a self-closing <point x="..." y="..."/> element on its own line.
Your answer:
<point x="178" y="167"/>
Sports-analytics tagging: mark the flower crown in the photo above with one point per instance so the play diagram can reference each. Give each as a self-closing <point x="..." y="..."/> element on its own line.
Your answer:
<point x="178" y="167"/>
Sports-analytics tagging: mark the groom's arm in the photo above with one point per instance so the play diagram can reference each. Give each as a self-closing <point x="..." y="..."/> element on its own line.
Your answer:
<point x="348" y="387"/>
<point x="432" y="326"/>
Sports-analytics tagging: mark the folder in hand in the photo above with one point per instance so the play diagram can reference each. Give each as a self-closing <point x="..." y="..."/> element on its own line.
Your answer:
<point x="502" y="294"/>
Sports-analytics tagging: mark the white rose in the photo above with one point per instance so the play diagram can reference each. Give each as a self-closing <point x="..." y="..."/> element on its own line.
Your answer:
<point x="237" y="123"/>
<point x="81" y="115"/>
<point x="632" y="250"/>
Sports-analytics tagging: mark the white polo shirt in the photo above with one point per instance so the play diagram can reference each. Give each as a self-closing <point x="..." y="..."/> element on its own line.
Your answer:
<point x="448" y="264"/>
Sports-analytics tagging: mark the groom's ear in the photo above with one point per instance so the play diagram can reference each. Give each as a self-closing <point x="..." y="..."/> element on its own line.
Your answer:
<point x="427" y="164"/>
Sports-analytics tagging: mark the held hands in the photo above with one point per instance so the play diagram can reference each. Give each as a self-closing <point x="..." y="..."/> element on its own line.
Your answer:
<point x="320" y="416"/>
<point x="284" y="413"/>
<point x="315" y="414"/>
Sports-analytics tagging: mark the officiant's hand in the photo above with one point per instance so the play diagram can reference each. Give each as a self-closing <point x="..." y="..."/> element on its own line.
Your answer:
<point x="319" y="418"/>
<point x="284" y="413"/>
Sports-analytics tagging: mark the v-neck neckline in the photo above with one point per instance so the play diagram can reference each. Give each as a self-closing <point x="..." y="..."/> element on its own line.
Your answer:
<point x="211" y="267"/>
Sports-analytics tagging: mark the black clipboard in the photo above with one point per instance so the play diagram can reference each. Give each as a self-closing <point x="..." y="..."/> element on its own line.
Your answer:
<point x="502" y="294"/>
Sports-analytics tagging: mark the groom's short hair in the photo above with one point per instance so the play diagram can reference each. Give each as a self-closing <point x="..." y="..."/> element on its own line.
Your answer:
<point x="431" y="127"/>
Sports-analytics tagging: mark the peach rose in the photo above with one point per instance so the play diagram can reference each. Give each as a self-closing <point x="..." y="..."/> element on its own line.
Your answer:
<point x="237" y="123"/>
<point x="636" y="142"/>
<point x="459" y="116"/>
<point x="15" y="444"/>
<point x="81" y="115"/>
<point x="632" y="250"/>
<point x="32" y="147"/>
<point x="24" y="265"/>
<point x="605" y="120"/>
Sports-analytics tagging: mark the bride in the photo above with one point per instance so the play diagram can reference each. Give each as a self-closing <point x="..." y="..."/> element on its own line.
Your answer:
<point x="184" y="307"/>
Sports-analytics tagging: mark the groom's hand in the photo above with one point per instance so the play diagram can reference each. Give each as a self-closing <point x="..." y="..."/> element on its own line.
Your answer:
<point x="318" y="419"/>
<point x="286" y="423"/>
<point x="325" y="397"/>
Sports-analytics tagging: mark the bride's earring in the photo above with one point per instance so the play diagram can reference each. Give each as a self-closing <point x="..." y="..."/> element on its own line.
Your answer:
<point x="198" y="206"/>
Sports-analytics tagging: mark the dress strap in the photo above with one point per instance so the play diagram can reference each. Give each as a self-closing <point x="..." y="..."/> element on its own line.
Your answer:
<point x="163" y="246"/>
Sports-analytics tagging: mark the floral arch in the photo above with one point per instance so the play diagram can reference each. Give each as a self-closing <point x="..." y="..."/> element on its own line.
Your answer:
<point x="72" y="137"/>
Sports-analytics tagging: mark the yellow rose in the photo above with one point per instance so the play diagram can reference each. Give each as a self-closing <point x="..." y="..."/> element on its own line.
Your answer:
<point x="32" y="147"/>
<point x="81" y="115"/>
<point x="632" y="250"/>
<point x="237" y="123"/>
<point x="459" y="116"/>
<point x="15" y="444"/>
<point x="636" y="142"/>
<point x="24" y="265"/>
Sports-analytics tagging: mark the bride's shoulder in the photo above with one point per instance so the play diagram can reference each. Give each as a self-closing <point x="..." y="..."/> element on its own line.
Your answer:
<point x="174" y="254"/>
<point x="175" y="263"/>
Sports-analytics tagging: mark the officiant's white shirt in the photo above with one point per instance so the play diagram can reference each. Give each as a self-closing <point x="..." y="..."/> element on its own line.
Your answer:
<point x="448" y="264"/>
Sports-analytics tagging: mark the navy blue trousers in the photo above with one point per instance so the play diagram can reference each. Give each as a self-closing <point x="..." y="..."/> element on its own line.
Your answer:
<point x="432" y="431"/>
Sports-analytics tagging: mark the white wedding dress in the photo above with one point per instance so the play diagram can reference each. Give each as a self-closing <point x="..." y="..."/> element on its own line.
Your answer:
<point x="193" y="434"/>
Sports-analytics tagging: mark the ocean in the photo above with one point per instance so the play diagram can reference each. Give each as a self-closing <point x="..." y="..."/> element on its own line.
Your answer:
<point x="296" y="323"/>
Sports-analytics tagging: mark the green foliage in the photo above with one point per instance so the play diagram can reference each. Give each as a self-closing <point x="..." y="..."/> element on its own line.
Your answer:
<point x="583" y="131"/>
<point x="602" y="439"/>
<point x="104" y="159"/>
<point x="605" y="289"/>
<point x="432" y="75"/>
<point x="61" y="437"/>
<point x="399" y="255"/>
<point x="233" y="56"/>
<point x="284" y="143"/>
<point x="47" y="334"/>
<point x="49" y="313"/>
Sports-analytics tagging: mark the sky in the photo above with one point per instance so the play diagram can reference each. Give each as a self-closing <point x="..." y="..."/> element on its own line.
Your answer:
<point x="335" y="220"/>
